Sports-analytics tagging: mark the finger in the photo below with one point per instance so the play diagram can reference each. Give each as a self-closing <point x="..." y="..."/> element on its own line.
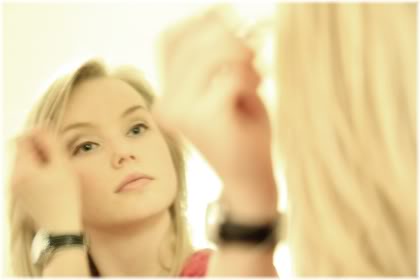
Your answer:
<point x="197" y="40"/>
<point x="237" y="86"/>
<point x="163" y="118"/>
<point x="231" y="80"/>
<point x="213" y="38"/>
<point x="25" y="152"/>
<point x="195" y="80"/>
<point x="26" y="161"/>
<point x="201" y="57"/>
<point x="250" y="106"/>
<point x="180" y="73"/>
<point x="177" y="32"/>
<point x="170" y="38"/>
<point x="47" y="145"/>
<point x="192" y="63"/>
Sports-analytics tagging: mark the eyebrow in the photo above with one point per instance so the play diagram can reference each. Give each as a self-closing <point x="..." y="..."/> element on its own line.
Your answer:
<point x="127" y="112"/>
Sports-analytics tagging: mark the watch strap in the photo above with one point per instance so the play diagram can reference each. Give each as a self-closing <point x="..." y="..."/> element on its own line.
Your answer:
<point x="57" y="241"/>
<point x="262" y="234"/>
<point x="53" y="243"/>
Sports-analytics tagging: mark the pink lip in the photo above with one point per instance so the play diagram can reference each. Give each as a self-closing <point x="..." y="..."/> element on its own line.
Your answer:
<point x="130" y="179"/>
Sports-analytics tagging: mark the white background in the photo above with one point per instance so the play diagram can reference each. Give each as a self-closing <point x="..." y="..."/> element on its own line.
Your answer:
<point x="44" y="40"/>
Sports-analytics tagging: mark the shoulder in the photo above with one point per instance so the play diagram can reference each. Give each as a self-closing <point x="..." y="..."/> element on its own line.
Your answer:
<point x="196" y="264"/>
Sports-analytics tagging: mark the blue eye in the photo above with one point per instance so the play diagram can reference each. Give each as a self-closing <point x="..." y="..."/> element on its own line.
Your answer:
<point x="138" y="128"/>
<point x="85" y="147"/>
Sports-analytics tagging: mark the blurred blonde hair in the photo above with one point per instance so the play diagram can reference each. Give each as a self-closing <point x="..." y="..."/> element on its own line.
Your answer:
<point x="50" y="110"/>
<point x="347" y="113"/>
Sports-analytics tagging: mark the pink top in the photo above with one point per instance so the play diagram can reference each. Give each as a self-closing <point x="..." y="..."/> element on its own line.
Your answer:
<point x="196" y="265"/>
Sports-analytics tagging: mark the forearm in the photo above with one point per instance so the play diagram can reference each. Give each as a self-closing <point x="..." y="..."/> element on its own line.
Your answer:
<point x="253" y="205"/>
<point x="242" y="261"/>
<point x="68" y="262"/>
<point x="251" y="202"/>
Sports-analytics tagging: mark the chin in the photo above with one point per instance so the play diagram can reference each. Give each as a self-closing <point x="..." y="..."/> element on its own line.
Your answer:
<point x="131" y="208"/>
<point x="131" y="214"/>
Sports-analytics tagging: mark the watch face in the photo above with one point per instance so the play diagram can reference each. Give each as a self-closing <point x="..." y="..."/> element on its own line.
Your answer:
<point x="212" y="213"/>
<point x="39" y="245"/>
<point x="214" y="217"/>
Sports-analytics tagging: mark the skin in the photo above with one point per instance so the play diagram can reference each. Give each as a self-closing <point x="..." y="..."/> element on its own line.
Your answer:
<point x="102" y="157"/>
<point x="115" y="147"/>
<point x="89" y="170"/>
<point x="213" y="103"/>
<point x="210" y="96"/>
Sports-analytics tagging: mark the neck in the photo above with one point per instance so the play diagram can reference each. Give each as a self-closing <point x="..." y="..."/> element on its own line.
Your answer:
<point x="141" y="249"/>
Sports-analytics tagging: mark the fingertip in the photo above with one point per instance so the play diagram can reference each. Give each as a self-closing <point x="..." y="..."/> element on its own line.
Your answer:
<point x="15" y="141"/>
<point x="219" y="11"/>
<point x="25" y="150"/>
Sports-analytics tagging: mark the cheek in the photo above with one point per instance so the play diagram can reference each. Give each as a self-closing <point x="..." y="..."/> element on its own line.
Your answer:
<point x="167" y="166"/>
<point x="171" y="182"/>
<point x="90" y="176"/>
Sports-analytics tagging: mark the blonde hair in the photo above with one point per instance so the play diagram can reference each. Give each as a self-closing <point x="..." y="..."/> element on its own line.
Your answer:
<point x="50" y="111"/>
<point x="347" y="117"/>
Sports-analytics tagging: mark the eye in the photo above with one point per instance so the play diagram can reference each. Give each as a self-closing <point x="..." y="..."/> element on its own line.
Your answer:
<point x="138" y="128"/>
<point x="85" y="147"/>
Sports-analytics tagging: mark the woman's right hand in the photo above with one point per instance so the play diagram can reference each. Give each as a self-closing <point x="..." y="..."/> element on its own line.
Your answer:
<point x="44" y="183"/>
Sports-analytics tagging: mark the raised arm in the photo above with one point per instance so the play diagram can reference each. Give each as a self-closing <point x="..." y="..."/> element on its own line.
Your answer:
<point x="48" y="192"/>
<point x="210" y="96"/>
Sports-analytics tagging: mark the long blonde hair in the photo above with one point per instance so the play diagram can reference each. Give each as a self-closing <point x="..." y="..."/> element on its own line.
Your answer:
<point x="347" y="117"/>
<point x="50" y="110"/>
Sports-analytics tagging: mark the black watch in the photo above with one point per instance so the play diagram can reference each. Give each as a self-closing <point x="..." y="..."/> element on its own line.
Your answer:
<point x="45" y="244"/>
<point x="222" y="230"/>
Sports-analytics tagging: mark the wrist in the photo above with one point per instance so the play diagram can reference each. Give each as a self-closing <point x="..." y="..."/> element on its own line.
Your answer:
<point x="227" y="228"/>
<point x="63" y="227"/>
<point x="251" y="203"/>
<point x="63" y="224"/>
<point x="46" y="244"/>
<point x="260" y="177"/>
<point x="257" y="214"/>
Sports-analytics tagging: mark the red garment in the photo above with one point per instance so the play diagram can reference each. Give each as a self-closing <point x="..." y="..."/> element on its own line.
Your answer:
<point x="196" y="265"/>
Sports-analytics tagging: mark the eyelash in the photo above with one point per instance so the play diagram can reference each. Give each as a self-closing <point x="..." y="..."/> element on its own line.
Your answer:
<point x="142" y="125"/>
<point x="78" y="147"/>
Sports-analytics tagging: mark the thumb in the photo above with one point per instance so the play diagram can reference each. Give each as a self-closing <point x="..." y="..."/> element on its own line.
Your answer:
<point x="236" y="85"/>
<point x="165" y="115"/>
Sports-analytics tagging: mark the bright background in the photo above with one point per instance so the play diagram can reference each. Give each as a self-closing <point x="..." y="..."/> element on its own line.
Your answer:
<point x="45" y="40"/>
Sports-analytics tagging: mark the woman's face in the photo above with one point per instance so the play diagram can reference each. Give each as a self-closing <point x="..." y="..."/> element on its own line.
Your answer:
<point x="109" y="135"/>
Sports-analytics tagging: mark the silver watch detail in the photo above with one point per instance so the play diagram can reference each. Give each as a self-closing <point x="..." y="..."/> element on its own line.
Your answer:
<point x="45" y="244"/>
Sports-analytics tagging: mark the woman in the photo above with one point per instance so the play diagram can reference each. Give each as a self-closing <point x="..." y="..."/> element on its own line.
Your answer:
<point x="107" y="211"/>
<point x="88" y="138"/>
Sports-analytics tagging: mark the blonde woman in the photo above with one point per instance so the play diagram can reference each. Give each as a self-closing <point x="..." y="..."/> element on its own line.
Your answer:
<point x="346" y="77"/>
<point x="98" y="189"/>
<point x="50" y="192"/>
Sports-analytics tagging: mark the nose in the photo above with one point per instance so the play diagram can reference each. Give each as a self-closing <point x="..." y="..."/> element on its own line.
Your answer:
<point x="121" y="158"/>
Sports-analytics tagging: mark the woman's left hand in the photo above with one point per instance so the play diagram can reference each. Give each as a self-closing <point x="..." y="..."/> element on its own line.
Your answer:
<point x="210" y="96"/>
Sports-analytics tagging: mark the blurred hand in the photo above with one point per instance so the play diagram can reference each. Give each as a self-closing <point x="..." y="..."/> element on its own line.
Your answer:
<point x="210" y="96"/>
<point x="44" y="183"/>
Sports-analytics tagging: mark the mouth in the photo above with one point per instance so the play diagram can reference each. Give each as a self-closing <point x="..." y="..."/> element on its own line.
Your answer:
<point x="133" y="181"/>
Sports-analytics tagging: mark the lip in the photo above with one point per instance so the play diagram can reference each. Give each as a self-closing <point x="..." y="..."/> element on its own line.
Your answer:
<point x="131" y="178"/>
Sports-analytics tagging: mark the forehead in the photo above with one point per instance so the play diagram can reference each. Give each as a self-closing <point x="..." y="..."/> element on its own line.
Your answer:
<point x="100" y="97"/>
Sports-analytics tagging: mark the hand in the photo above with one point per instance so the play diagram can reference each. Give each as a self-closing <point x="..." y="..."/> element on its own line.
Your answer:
<point x="44" y="183"/>
<point x="210" y="96"/>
